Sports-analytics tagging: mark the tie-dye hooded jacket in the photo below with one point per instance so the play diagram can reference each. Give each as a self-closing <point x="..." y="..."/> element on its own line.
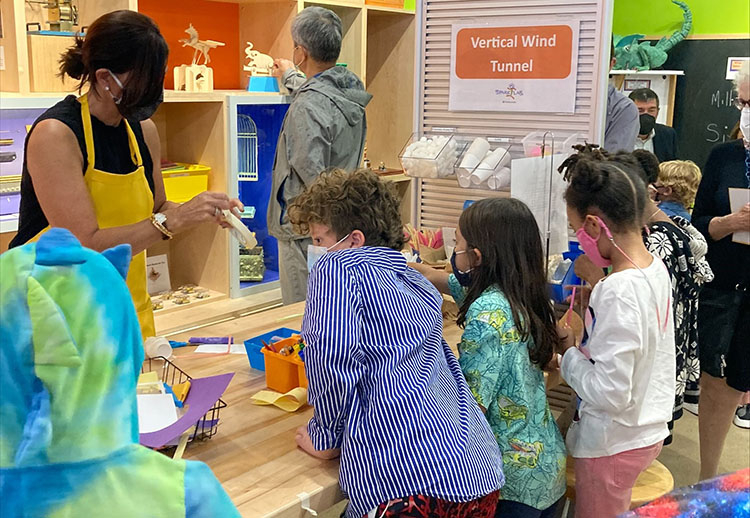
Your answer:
<point x="70" y="355"/>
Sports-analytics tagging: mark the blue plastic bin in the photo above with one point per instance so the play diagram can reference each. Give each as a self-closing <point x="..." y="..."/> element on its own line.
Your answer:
<point x="254" y="345"/>
<point x="558" y="292"/>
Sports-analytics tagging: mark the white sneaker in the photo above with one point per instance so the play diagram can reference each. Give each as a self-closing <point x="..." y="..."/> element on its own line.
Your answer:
<point x="691" y="407"/>
<point x="742" y="417"/>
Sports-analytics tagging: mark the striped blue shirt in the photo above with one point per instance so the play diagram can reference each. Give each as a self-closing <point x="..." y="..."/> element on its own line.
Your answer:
<point x="387" y="389"/>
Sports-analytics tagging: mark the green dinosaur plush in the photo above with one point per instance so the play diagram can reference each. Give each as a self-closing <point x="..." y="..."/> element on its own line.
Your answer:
<point x="632" y="55"/>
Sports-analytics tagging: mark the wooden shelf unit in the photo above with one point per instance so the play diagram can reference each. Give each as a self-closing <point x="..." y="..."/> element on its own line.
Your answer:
<point x="378" y="46"/>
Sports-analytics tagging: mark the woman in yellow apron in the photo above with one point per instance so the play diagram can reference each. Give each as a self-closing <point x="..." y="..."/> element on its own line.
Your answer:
<point x="107" y="135"/>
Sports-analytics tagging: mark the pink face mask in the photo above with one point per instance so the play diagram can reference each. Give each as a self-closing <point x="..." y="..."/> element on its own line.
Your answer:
<point x="588" y="244"/>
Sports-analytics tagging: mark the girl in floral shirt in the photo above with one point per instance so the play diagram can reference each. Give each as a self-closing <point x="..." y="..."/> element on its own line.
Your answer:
<point x="509" y="335"/>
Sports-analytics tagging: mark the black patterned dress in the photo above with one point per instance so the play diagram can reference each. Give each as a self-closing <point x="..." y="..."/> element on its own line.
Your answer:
<point x="682" y="249"/>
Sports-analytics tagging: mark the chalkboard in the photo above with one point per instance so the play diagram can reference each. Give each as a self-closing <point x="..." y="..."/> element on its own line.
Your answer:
<point x="704" y="114"/>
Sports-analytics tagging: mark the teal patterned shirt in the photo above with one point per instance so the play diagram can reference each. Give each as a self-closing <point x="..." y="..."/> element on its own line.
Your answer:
<point x="496" y="364"/>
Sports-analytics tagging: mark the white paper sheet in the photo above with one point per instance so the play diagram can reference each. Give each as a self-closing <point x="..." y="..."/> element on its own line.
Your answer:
<point x="221" y="348"/>
<point x="155" y="412"/>
<point x="530" y="183"/>
<point x="738" y="198"/>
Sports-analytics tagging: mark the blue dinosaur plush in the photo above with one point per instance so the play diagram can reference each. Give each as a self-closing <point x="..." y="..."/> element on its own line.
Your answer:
<point x="632" y="55"/>
<point x="70" y="356"/>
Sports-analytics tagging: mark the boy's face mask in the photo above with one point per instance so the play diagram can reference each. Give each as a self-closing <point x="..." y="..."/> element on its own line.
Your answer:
<point x="316" y="252"/>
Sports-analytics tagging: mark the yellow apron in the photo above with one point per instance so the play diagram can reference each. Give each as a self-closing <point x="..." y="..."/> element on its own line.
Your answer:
<point x="119" y="200"/>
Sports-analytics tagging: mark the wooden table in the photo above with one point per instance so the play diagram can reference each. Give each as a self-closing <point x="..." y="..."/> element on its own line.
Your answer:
<point x="253" y="453"/>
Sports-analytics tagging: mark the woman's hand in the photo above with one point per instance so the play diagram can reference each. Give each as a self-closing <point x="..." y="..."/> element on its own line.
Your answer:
<point x="303" y="440"/>
<point x="205" y="207"/>
<point x="740" y="221"/>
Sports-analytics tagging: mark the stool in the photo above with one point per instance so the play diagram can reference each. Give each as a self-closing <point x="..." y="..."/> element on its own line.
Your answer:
<point x="654" y="482"/>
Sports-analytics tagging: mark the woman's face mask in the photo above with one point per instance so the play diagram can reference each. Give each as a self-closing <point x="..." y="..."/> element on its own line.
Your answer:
<point x="140" y="113"/>
<point x="316" y="252"/>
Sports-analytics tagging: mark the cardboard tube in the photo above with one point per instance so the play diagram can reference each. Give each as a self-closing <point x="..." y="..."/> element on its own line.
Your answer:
<point x="480" y="175"/>
<point x="464" y="181"/>
<point x="499" y="180"/>
<point x="468" y="164"/>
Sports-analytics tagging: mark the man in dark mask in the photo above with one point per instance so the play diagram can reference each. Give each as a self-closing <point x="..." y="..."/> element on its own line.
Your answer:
<point x="657" y="138"/>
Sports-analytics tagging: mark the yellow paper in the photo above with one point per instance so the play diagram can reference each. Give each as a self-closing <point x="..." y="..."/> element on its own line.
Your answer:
<point x="148" y="377"/>
<point x="289" y="402"/>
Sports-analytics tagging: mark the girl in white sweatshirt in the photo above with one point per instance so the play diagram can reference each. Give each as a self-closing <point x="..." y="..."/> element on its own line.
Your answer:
<point x="624" y="369"/>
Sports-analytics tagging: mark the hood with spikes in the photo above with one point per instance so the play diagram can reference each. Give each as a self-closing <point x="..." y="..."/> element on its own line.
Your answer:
<point x="71" y="352"/>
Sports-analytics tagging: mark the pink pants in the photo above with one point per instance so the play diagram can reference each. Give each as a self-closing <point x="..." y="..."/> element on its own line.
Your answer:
<point x="604" y="484"/>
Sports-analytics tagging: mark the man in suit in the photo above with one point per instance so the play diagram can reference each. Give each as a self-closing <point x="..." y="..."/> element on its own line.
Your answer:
<point x="661" y="140"/>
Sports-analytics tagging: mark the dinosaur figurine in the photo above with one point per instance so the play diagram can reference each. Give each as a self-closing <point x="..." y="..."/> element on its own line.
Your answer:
<point x="632" y="55"/>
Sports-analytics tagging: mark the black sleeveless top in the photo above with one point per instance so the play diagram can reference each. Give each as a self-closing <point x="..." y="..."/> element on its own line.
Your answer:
<point x="112" y="152"/>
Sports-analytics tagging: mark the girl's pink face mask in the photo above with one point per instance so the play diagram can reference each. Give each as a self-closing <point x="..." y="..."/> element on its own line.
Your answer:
<point x="588" y="244"/>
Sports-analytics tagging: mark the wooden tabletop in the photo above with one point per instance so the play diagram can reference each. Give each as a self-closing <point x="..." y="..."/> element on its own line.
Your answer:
<point x="253" y="453"/>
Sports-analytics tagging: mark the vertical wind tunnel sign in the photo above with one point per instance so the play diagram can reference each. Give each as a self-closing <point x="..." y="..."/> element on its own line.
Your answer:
<point x="519" y="68"/>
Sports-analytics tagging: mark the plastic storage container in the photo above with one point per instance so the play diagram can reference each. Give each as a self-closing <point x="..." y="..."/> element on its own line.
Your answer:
<point x="429" y="156"/>
<point x="558" y="292"/>
<point x="283" y="373"/>
<point x="532" y="143"/>
<point x="185" y="181"/>
<point x="253" y="346"/>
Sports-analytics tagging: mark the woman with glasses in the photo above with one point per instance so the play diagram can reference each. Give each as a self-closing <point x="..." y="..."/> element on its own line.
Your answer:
<point x="724" y="308"/>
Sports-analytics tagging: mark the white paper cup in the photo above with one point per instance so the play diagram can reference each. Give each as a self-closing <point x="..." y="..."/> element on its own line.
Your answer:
<point x="157" y="346"/>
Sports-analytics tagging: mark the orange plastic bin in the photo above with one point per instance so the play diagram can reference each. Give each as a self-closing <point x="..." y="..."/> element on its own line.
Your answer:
<point x="283" y="373"/>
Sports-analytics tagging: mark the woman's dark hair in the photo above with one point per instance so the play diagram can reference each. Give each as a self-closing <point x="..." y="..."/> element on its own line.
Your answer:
<point x="613" y="187"/>
<point x="505" y="232"/>
<point x="121" y="41"/>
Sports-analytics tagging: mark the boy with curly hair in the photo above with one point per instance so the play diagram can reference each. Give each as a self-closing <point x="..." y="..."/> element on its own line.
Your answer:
<point x="677" y="186"/>
<point x="388" y="393"/>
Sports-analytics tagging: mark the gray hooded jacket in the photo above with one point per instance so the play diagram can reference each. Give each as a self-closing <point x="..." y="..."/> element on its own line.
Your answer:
<point x="324" y="128"/>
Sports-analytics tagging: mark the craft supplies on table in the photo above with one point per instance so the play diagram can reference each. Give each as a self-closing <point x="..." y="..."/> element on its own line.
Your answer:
<point x="201" y="398"/>
<point x="285" y="364"/>
<point x="254" y="345"/>
<point x="289" y="402"/>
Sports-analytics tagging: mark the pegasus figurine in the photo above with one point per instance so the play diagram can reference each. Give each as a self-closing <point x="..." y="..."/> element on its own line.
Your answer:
<point x="633" y="55"/>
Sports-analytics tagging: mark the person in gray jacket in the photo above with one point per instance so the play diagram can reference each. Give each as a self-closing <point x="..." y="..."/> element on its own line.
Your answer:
<point x="324" y="128"/>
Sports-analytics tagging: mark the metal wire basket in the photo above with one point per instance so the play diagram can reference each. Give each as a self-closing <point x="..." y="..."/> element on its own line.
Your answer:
<point x="172" y="375"/>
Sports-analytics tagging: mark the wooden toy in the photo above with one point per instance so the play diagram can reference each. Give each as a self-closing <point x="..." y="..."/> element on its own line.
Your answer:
<point x="196" y="77"/>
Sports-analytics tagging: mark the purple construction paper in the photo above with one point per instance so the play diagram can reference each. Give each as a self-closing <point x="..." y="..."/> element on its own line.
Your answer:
<point x="204" y="393"/>
<point x="210" y="340"/>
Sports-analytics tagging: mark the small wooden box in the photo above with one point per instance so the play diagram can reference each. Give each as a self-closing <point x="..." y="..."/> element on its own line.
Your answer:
<point x="45" y="51"/>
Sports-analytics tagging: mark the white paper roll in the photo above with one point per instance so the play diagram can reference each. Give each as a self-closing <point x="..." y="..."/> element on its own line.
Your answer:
<point x="464" y="181"/>
<point x="499" y="180"/>
<point x="478" y="148"/>
<point x="480" y="175"/>
<point x="157" y="346"/>
<point x="493" y="159"/>
<point x="504" y="159"/>
<point x="468" y="164"/>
